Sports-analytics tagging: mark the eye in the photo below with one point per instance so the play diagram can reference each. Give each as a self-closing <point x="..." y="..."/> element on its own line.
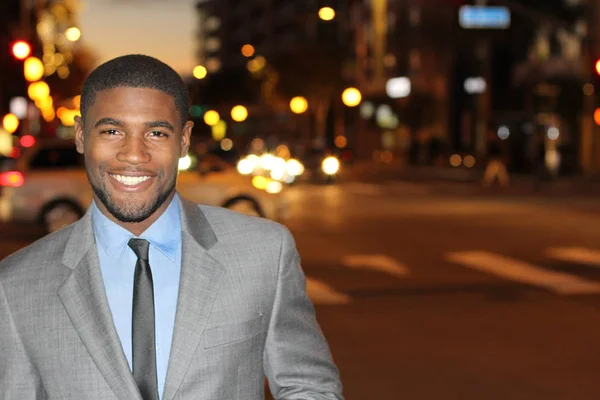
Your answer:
<point x="109" y="131"/>
<point x="158" y="134"/>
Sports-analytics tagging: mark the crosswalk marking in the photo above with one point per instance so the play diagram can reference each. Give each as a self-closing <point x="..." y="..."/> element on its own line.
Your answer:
<point x="579" y="255"/>
<point x="321" y="293"/>
<point x="378" y="262"/>
<point x="488" y="262"/>
<point x="521" y="271"/>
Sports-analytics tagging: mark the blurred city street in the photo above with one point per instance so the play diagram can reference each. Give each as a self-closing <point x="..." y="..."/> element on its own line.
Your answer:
<point x="429" y="295"/>
<point x="438" y="161"/>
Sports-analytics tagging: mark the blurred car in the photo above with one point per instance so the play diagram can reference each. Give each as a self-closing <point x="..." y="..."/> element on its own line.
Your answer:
<point x="321" y="166"/>
<point x="47" y="185"/>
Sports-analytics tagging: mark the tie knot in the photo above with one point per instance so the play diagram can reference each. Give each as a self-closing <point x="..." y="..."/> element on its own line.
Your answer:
<point x="140" y="247"/>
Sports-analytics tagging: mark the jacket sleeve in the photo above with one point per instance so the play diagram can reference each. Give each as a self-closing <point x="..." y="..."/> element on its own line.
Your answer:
<point x="297" y="360"/>
<point x="18" y="377"/>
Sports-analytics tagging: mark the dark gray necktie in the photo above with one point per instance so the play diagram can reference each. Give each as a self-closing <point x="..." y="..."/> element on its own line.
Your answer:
<point x="143" y="344"/>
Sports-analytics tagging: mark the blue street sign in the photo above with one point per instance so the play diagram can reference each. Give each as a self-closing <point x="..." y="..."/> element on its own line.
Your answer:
<point x="483" y="17"/>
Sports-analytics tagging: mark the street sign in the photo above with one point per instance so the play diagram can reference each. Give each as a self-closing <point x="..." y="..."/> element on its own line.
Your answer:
<point x="398" y="87"/>
<point x="484" y="17"/>
<point x="475" y="85"/>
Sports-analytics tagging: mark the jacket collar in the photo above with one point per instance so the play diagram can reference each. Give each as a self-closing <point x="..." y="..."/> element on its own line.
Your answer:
<point x="193" y="221"/>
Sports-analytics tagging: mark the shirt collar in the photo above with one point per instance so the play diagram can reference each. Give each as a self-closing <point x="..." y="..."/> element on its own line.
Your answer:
<point x="164" y="233"/>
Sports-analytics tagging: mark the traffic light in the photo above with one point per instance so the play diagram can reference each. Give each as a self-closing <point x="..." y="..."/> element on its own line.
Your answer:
<point x="27" y="141"/>
<point x="21" y="49"/>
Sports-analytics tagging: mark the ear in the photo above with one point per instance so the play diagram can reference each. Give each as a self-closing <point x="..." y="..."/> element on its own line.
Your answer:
<point x="186" y="133"/>
<point x="79" y="134"/>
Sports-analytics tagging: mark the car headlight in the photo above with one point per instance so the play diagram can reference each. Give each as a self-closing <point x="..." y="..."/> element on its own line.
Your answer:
<point x="330" y="165"/>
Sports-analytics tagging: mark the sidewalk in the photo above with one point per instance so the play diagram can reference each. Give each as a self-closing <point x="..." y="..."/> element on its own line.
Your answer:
<point x="401" y="171"/>
<point x="370" y="171"/>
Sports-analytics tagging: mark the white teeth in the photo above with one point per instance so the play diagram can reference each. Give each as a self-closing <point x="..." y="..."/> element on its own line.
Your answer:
<point x="130" y="180"/>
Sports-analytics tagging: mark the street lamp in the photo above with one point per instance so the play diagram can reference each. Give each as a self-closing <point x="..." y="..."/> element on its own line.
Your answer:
<point x="248" y="50"/>
<point x="10" y="123"/>
<point x="21" y="49"/>
<point x="351" y="97"/>
<point x="33" y="69"/>
<point x="199" y="72"/>
<point x="326" y="13"/>
<point x="38" y="90"/>
<point x="239" y="113"/>
<point x="211" y="118"/>
<point x="73" y="34"/>
<point x="298" y="105"/>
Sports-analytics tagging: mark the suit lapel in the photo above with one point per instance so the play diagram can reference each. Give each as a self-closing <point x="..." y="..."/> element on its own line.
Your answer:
<point x="84" y="298"/>
<point x="201" y="276"/>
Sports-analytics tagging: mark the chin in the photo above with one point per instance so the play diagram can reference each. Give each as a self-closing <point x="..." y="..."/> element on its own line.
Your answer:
<point x="132" y="207"/>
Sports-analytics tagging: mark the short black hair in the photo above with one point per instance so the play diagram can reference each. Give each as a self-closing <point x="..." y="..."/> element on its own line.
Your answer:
<point x="136" y="71"/>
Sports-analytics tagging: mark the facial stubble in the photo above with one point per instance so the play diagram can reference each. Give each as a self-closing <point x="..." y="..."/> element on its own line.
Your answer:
<point x="131" y="214"/>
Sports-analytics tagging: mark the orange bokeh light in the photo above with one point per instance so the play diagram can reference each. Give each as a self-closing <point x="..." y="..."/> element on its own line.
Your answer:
<point x="248" y="50"/>
<point x="597" y="116"/>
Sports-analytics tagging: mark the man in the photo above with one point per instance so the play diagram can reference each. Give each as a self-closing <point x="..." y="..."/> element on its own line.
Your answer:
<point x="150" y="296"/>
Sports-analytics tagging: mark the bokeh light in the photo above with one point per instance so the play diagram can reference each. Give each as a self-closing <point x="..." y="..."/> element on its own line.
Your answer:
<point x="351" y="97"/>
<point x="298" y="104"/>
<point x="199" y="72"/>
<point x="248" y="50"/>
<point x="211" y="117"/>
<point x="326" y="13"/>
<point x="239" y="113"/>
<point x="10" y="123"/>
<point x="73" y="34"/>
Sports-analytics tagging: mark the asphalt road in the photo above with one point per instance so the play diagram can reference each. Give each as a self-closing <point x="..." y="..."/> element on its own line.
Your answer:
<point x="429" y="294"/>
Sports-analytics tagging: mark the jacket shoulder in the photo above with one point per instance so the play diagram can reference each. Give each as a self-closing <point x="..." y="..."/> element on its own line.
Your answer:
<point x="228" y="222"/>
<point x="37" y="255"/>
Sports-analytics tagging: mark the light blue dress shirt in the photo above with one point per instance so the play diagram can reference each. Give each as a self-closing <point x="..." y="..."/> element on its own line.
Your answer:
<point x="117" y="263"/>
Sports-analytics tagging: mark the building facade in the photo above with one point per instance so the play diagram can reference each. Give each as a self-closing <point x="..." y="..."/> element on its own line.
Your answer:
<point x="464" y="84"/>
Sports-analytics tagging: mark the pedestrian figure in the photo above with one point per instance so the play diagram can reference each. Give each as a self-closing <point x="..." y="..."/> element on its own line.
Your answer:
<point x="496" y="168"/>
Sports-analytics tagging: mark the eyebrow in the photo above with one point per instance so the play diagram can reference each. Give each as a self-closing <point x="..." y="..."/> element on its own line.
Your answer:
<point x="150" y="124"/>
<point x="160" y="124"/>
<point x="108" y="121"/>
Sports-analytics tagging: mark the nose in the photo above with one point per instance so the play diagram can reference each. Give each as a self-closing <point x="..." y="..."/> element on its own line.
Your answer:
<point x="134" y="151"/>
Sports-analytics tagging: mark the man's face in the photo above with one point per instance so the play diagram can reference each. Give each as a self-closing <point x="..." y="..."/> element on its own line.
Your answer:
<point x="132" y="140"/>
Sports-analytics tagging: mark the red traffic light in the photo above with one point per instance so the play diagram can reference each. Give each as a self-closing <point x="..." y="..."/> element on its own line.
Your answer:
<point x="27" y="141"/>
<point x="21" y="49"/>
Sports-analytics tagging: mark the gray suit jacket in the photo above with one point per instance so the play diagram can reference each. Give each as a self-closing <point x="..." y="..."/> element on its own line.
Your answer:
<point x="242" y="314"/>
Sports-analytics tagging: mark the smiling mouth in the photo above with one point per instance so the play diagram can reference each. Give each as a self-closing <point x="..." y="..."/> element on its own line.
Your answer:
<point x="130" y="180"/>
